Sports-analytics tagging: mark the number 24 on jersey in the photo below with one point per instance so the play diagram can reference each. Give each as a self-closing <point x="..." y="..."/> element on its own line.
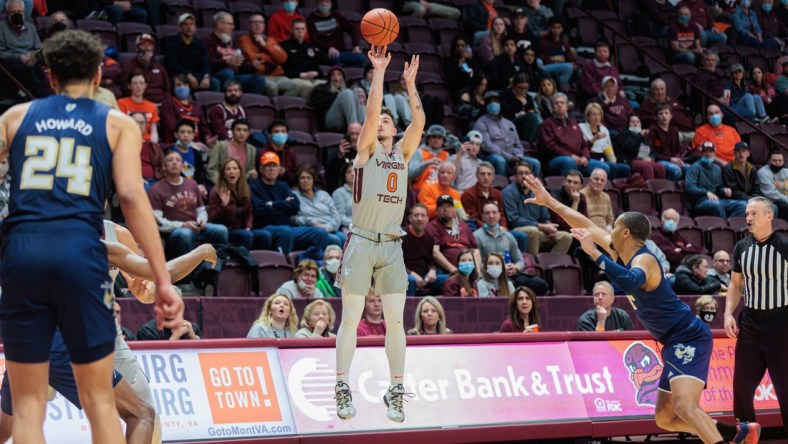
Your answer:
<point x="43" y="153"/>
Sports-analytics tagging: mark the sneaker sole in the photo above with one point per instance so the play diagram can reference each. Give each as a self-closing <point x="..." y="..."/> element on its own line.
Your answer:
<point x="345" y="418"/>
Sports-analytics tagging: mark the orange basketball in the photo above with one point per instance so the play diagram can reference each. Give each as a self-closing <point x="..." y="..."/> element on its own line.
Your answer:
<point x="380" y="27"/>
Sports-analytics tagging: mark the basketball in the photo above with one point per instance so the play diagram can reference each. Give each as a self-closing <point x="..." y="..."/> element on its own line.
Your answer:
<point x="380" y="27"/>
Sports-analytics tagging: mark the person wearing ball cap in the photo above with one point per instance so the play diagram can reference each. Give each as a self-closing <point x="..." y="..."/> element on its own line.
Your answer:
<point x="185" y="54"/>
<point x="467" y="161"/>
<point x="156" y="76"/>
<point x="423" y="166"/>
<point x="705" y="190"/>
<point x="502" y="146"/>
<point x="373" y="250"/>
<point x="740" y="176"/>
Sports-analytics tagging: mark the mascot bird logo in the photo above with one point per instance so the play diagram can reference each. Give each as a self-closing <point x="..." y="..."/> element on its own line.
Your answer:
<point x="644" y="372"/>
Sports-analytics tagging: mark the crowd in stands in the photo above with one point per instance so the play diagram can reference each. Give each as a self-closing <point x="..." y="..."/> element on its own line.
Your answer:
<point x="250" y="119"/>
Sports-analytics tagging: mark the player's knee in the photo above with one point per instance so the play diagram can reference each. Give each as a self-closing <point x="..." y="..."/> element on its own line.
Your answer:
<point x="683" y="408"/>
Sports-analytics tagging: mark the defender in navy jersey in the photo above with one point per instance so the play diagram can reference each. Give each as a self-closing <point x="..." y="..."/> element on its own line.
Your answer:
<point x="63" y="152"/>
<point x="373" y="249"/>
<point x="686" y="340"/>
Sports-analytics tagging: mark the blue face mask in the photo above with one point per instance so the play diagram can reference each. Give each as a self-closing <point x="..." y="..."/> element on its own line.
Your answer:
<point x="325" y="9"/>
<point x="491" y="227"/>
<point x="279" y="139"/>
<point x="669" y="226"/>
<point x="290" y="6"/>
<point x="715" y="120"/>
<point x="766" y="7"/>
<point x="745" y="3"/>
<point x="684" y="19"/>
<point x="706" y="160"/>
<point x="493" y="108"/>
<point x="182" y="92"/>
<point x="785" y="2"/>
<point x="466" y="268"/>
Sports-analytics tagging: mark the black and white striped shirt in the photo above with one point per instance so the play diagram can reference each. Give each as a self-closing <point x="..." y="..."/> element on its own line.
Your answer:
<point x="764" y="267"/>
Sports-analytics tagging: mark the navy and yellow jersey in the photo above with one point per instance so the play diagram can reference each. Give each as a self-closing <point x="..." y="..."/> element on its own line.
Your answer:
<point x="61" y="162"/>
<point x="660" y="310"/>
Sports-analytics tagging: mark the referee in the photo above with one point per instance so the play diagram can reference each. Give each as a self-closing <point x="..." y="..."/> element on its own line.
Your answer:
<point x="760" y="273"/>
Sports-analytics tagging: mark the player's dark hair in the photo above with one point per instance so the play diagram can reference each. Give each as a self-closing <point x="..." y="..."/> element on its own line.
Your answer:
<point x="637" y="224"/>
<point x="384" y="110"/>
<point x="73" y="56"/>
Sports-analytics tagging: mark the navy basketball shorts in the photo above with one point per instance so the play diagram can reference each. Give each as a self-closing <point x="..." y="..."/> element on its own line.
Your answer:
<point x="61" y="377"/>
<point x="55" y="274"/>
<point x="687" y="354"/>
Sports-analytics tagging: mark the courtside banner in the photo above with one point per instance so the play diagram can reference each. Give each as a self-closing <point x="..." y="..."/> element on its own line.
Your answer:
<point x="457" y="385"/>
<point x="635" y="366"/>
<point x="200" y="395"/>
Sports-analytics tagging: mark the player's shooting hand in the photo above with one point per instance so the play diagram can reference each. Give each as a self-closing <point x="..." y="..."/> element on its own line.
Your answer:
<point x="731" y="329"/>
<point x="168" y="308"/>
<point x="541" y="196"/>
<point x="410" y="71"/>
<point x="583" y="236"/>
<point x="378" y="57"/>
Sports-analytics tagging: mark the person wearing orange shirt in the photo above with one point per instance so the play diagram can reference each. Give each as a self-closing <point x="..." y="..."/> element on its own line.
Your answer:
<point x="423" y="166"/>
<point x="723" y="136"/>
<point x="281" y="21"/>
<point x="267" y="57"/>
<point x="136" y="103"/>
<point x="429" y="194"/>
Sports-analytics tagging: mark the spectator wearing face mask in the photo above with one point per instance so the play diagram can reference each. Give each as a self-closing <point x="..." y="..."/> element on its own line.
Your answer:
<point x="227" y="59"/>
<point x="303" y="284"/>
<point x="673" y="244"/>
<point x="706" y="309"/>
<point x="463" y="281"/>
<point x="281" y="21"/>
<point x="181" y="106"/>
<point x="493" y="281"/>
<point x="155" y="73"/>
<point x="328" y="272"/>
<point x="19" y="43"/>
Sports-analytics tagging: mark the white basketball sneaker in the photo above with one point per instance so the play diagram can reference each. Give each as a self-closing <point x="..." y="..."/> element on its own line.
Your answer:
<point x="394" y="401"/>
<point x="344" y="398"/>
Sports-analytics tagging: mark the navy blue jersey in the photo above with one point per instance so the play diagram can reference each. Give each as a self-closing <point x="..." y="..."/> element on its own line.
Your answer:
<point x="660" y="310"/>
<point x="61" y="163"/>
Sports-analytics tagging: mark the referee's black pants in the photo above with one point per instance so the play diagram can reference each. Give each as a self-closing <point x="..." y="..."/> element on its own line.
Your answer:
<point x="762" y="344"/>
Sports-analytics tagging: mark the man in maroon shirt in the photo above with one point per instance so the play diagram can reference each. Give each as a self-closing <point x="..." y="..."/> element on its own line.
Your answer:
<point x="451" y="237"/>
<point x="181" y="106"/>
<point x="616" y="108"/>
<point x="222" y="115"/>
<point x="673" y="244"/>
<point x="563" y="141"/>
<point x="597" y="69"/>
<point x="699" y="11"/>
<point x="180" y="212"/>
<point x="155" y="74"/>
<point x="227" y="59"/>
<point x="417" y="251"/>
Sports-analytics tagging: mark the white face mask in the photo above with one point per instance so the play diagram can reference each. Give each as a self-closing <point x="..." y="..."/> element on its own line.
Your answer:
<point x="332" y="265"/>
<point x="3" y="169"/>
<point x="303" y="285"/>
<point x="494" y="271"/>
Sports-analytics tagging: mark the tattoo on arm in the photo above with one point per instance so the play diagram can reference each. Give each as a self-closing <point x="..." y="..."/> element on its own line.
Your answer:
<point x="418" y="100"/>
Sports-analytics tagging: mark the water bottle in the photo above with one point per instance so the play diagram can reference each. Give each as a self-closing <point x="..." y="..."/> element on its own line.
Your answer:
<point x="507" y="257"/>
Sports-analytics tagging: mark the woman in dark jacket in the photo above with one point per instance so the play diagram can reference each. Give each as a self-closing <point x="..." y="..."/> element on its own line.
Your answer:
<point x="517" y="106"/>
<point x="460" y="67"/>
<point x="691" y="277"/>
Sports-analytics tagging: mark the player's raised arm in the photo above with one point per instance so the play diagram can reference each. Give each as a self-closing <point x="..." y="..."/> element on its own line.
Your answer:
<point x="572" y="217"/>
<point x="412" y="138"/>
<point x="368" y="139"/>
<point x="124" y="135"/>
